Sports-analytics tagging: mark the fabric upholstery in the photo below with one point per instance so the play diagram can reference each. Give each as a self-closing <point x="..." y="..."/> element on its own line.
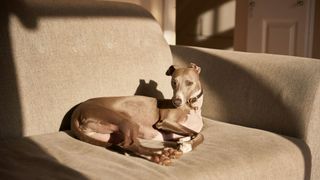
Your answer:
<point x="56" y="54"/>
<point x="271" y="92"/>
<point x="228" y="152"/>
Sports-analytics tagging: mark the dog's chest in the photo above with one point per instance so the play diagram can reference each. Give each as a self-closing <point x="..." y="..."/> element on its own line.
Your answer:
<point x="194" y="121"/>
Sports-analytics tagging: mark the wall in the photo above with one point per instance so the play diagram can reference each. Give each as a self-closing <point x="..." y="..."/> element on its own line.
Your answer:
<point x="154" y="6"/>
<point x="164" y="13"/>
<point x="206" y="23"/>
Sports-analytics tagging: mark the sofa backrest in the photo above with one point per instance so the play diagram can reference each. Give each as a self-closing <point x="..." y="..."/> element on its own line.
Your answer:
<point x="271" y="92"/>
<point x="56" y="54"/>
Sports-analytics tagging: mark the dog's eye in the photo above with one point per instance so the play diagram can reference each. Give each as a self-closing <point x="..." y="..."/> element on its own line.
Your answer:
<point x="189" y="83"/>
<point x="174" y="82"/>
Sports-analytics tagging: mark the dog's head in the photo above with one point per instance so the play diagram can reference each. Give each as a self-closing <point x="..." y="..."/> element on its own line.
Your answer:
<point x="185" y="83"/>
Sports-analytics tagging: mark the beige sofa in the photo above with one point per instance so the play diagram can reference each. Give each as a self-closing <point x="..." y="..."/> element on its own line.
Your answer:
<point x="261" y="112"/>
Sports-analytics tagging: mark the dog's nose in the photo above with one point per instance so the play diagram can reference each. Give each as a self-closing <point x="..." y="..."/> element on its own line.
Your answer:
<point x="177" y="102"/>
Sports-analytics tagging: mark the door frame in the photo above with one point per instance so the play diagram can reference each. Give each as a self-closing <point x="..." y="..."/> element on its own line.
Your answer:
<point x="241" y="25"/>
<point x="310" y="28"/>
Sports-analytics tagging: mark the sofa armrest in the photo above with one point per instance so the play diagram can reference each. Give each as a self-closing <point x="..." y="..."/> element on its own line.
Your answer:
<point x="270" y="92"/>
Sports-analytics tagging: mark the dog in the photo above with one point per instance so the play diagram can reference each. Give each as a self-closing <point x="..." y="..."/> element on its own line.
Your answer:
<point x="122" y="121"/>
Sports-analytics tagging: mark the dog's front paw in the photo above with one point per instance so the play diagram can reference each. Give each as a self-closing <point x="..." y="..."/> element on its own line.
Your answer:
<point x="165" y="156"/>
<point x="185" y="147"/>
<point x="189" y="143"/>
<point x="161" y="159"/>
<point x="173" y="153"/>
<point x="184" y="144"/>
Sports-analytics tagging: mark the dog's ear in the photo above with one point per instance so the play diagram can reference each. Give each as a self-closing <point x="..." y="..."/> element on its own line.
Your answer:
<point x="195" y="67"/>
<point x="170" y="70"/>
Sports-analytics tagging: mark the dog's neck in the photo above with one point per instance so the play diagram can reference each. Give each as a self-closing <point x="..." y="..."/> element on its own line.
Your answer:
<point x="196" y="101"/>
<point x="195" y="108"/>
<point x="194" y="117"/>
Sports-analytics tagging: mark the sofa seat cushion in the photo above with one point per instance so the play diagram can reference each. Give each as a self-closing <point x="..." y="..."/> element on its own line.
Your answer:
<point x="228" y="152"/>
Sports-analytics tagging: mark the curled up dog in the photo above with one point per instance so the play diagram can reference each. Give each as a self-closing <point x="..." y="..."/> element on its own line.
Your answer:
<point x="122" y="121"/>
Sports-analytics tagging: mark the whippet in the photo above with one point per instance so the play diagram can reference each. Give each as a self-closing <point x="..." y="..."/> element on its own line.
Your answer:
<point x="122" y="121"/>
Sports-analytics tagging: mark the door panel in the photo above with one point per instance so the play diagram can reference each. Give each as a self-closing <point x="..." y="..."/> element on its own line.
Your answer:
<point x="279" y="37"/>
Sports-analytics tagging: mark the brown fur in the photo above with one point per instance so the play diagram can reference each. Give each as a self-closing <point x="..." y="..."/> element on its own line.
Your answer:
<point x="123" y="120"/>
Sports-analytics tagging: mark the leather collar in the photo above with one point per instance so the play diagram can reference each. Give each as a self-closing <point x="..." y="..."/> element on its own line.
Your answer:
<point x="194" y="99"/>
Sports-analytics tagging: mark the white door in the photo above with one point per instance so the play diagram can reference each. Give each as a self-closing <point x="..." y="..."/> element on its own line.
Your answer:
<point x="280" y="27"/>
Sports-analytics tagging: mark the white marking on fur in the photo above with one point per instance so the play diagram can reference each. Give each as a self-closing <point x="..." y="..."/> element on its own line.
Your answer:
<point x="180" y="95"/>
<point x="184" y="139"/>
<point x="185" y="147"/>
<point x="196" y="93"/>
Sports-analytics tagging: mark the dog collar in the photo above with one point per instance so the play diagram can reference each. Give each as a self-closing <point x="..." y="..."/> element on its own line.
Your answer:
<point x="194" y="99"/>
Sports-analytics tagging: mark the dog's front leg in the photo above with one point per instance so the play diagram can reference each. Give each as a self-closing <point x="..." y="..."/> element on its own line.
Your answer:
<point x="129" y="131"/>
<point x="174" y="127"/>
<point x="186" y="145"/>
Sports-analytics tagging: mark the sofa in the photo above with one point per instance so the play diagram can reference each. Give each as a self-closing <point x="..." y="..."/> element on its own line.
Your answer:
<point x="261" y="112"/>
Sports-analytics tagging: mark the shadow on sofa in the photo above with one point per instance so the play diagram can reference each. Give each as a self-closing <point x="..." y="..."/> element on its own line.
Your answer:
<point x="34" y="162"/>
<point x="9" y="90"/>
<point x="217" y="71"/>
<point x="28" y="16"/>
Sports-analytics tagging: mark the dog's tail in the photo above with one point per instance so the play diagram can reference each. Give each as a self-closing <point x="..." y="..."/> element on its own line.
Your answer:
<point x="94" y="138"/>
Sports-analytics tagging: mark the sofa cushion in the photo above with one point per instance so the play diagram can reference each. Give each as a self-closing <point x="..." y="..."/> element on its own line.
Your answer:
<point x="55" y="54"/>
<point x="228" y="152"/>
